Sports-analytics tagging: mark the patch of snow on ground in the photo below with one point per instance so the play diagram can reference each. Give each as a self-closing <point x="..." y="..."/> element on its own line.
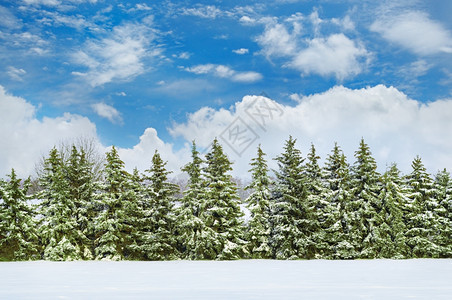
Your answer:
<point x="243" y="279"/>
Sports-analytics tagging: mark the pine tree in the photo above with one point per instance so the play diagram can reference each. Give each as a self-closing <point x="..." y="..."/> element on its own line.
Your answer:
<point x="337" y="194"/>
<point x="258" y="203"/>
<point x="289" y="239"/>
<point x="59" y="230"/>
<point x="422" y="226"/>
<point x="157" y="240"/>
<point x="390" y="236"/>
<point x="115" y="224"/>
<point x="192" y="231"/>
<point x="18" y="235"/>
<point x="443" y="212"/>
<point x="365" y="205"/>
<point x="222" y="212"/>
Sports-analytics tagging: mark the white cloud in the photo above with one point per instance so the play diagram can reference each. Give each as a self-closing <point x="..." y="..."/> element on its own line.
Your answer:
<point x="25" y="139"/>
<point x="241" y="51"/>
<point x="140" y="156"/>
<point x="396" y="128"/>
<point x="108" y="112"/>
<point x="333" y="55"/>
<point x="118" y="56"/>
<point x="415" y="31"/>
<point x="15" y="74"/>
<point x="336" y="55"/>
<point x="203" y="11"/>
<point x="223" y="71"/>
<point x="8" y="19"/>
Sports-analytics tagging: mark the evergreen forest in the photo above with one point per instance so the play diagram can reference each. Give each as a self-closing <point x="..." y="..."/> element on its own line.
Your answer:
<point x="76" y="210"/>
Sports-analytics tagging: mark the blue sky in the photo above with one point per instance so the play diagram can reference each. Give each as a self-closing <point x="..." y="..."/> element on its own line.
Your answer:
<point x="146" y="75"/>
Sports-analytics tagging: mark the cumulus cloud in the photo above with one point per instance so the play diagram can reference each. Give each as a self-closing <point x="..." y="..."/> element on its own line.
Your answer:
<point x="336" y="55"/>
<point x="396" y="127"/>
<point x="223" y="71"/>
<point x="25" y="138"/>
<point x="107" y="111"/>
<point x="333" y="55"/>
<point x="415" y="31"/>
<point x="140" y="155"/>
<point x="119" y="56"/>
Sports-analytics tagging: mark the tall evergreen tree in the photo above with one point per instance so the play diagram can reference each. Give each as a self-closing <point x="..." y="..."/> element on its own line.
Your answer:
<point x="422" y="226"/>
<point x="191" y="230"/>
<point x="365" y="205"/>
<point x="443" y="213"/>
<point x="157" y="240"/>
<point x="258" y="203"/>
<point x="335" y="227"/>
<point x="390" y="236"/>
<point x="59" y="229"/>
<point x="18" y="234"/>
<point x="222" y="212"/>
<point x="316" y="204"/>
<point x="81" y="191"/>
<point x="115" y="223"/>
<point x="289" y="239"/>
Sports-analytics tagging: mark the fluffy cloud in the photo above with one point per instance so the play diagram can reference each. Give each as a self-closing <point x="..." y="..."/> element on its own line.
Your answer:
<point x="334" y="55"/>
<point x="140" y="156"/>
<point x="225" y="72"/>
<point x="203" y="11"/>
<point x="241" y="51"/>
<point x="396" y="128"/>
<point x="118" y="56"/>
<point x="107" y="111"/>
<point x="415" y="31"/>
<point x="25" y="139"/>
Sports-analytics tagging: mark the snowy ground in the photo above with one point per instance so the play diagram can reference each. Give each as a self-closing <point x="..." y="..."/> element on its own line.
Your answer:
<point x="246" y="279"/>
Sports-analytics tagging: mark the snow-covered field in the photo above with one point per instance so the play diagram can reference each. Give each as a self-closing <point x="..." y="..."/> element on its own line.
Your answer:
<point x="245" y="279"/>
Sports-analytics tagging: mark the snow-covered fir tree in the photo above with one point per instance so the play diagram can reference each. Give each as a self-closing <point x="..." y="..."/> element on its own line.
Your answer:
<point x="289" y="236"/>
<point x="443" y="213"/>
<point x="115" y="223"/>
<point x="59" y="230"/>
<point x="364" y="206"/>
<point x="335" y="230"/>
<point x="81" y="182"/>
<point x="18" y="235"/>
<point x="315" y="205"/>
<point x="422" y="226"/>
<point x="390" y="235"/>
<point x="222" y="212"/>
<point x="156" y="239"/>
<point x="192" y="233"/>
<point x="258" y="203"/>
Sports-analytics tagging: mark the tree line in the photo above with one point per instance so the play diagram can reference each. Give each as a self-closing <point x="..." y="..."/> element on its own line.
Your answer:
<point x="305" y="211"/>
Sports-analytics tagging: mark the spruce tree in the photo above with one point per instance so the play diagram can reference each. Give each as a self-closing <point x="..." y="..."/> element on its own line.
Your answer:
<point x="59" y="230"/>
<point x="443" y="213"/>
<point x="337" y="194"/>
<point x="18" y="234"/>
<point x="422" y="226"/>
<point x="222" y="212"/>
<point x="157" y="240"/>
<point x="191" y="229"/>
<point x="390" y="236"/>
<point x="364" y="205"/>
<point x="115" y="223"/>
<point x="258" y="203"/>
<point x="289" y="239"/>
